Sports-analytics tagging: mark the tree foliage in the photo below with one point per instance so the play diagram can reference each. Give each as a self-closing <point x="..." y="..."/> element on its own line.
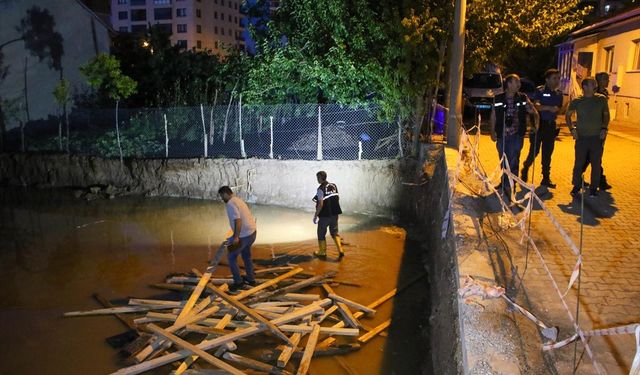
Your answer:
<point x="498" y="28"/>
<point x="103" y="74"/>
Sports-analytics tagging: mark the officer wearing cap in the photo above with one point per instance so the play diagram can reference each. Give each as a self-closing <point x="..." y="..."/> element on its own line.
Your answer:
<point x="548" y="101"/>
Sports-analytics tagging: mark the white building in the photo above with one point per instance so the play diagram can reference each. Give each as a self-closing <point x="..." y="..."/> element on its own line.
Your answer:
<point x="612" y="46"/>
<point x="200" y="24"/>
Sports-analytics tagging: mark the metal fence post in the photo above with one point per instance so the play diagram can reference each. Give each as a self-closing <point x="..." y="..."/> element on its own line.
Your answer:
<point x="400" y="150"/>
<point x="319" y="151"/>
<point x="271" y="142"/>
<point x="359" y="150"/>
<point x="166" y="137"/>
<point x="204" y="132"/>
<point x="242" y="152"/>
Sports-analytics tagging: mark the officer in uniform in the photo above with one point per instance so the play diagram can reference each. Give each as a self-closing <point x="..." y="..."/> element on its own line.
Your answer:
<point x="326" y="215"/>
<point x="548" y="101"/>
<point x="508" y="123"/>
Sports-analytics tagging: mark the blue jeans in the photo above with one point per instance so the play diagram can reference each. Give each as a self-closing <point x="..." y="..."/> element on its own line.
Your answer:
<point x="244" y="250"/>
<point x="512" y="147"/>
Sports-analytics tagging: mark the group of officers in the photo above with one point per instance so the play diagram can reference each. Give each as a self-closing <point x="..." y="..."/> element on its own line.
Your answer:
<point x="512" y="110"/>
<point x="244" y="229"/>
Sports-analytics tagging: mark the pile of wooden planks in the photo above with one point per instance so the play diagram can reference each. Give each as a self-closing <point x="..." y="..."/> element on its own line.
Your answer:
<point x="205" y="332"/>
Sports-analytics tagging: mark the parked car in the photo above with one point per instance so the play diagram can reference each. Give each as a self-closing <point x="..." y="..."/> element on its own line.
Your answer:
<point x="479" y="90"/>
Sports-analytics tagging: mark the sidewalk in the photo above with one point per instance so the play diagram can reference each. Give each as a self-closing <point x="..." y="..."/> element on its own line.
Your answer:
<point x="609" y="290"/>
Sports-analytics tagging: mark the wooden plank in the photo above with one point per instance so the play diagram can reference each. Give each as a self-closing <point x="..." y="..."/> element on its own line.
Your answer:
<point x="296" y="286"/>
<point x="291" y="328"/>
<point x="327" y="313"/>
<point x="253" y="364"/>
<point x="189" y="360"/>
<point x="305" y="362"/>
<point x="327" y="288"/>
<point x="371" y="334"/>
<point x="116" y="310"/>
<point x="157" y="302"/>
<point x="348" y="316"/>
<point x="250" y="312"/>
<point x="314" y="308"/>
<point x="273" y="270"/>
<point x="194" y="349"/>
<point x="269" y="283"/>
<point x="352" y="304"/>
<point x="124" y="319"/>
<point x="284" y="357"/>
<point x="297" y="297"/>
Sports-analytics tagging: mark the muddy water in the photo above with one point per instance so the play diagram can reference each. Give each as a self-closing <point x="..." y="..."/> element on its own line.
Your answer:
<point x="56" y="251"/>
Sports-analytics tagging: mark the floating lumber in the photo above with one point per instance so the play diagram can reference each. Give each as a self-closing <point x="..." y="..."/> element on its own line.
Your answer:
<point x="273" y="270"/>
<point x="348" y="316"/>
<point x="371" y="334"/>
<point x="194" y="349"/>
<point x="116" y="310"/>
<point x="314" y="308"/>
<point x="269" y="283"/>
<point x="250" y="312"/>
<point x="305" y="362"/>
<point x="156" y="302"/>
<point x="284" y="357"/>
<point x="291" y="328"/>
<point x="352" y="304"/>
<point x="296" y="297"/>
<point x="290" y="288"/>
<point x="253" y="364"/>
<point x="105" y="303"/>
<point x="270" y="355"/>
<point x="189" y="360"/>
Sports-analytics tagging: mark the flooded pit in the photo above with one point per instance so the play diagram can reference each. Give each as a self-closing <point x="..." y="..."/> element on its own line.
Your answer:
<point x="56" y="251"/>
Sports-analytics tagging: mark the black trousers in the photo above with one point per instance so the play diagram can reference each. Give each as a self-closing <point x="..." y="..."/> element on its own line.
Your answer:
<point x="603" y="178"/>
<point x="588" y="149"/>
<point x="545" y="140"/>
<point x="325" y="222"/>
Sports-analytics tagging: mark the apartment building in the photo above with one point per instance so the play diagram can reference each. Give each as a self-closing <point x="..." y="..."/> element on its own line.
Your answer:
<point x="200" y="24"/>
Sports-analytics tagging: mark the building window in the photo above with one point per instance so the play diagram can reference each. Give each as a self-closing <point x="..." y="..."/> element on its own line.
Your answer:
<point x="235" y="19"/>
<point x="198" y="44"/>
<point x="215" y="29"/>
<point x="138" y="14"/>
<point x="636" y="55"/>
<point x="138" y="2"/>
<point x="215" y="15"/>
<point x="138" y="28"/>
<point x="181" y="43"/>
<point x="198" y="13"/>
<point x="165" y="27"/>
<point x="123" y="15"/>
<point x="235" y="6"/>
<point x="181" y="28"/>
<point x="122" y="1"/>
<point x="199" y="29"/>
<point x="181" y="12"/>
<point x="608" y="59"/>
<point x="222" y="2"/>
<point x="222" y="16"/>
<point x="222" y="31"/>
<point x="161" y="2"/>
<point x="162" y="13"/>
<point x="230" y="32"/>
<point x="123" y="29"/>
<point x="230" y="18"/>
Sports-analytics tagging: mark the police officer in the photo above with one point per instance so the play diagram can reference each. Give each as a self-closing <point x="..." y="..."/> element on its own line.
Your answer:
<point x="548" y="101"/>
<point x="326" y="215"/>
<point x="508" y="123"/>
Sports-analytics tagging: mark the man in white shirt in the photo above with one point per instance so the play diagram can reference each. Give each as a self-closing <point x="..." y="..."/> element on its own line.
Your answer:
<point x="243" y="226"/>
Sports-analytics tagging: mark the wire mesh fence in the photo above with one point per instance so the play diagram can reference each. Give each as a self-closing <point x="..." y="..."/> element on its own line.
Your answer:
<point x="293" y="131"/>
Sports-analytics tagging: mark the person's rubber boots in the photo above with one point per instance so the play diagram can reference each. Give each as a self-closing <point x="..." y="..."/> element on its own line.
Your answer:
<point x="322" y="249"/>
<point x="338" y="242"/>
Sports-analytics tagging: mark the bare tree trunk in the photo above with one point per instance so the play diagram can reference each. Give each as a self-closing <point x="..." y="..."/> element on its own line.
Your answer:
<point x="118" y="132"/>
<point x="226" y="117"/>
<point x="211" y="125"/>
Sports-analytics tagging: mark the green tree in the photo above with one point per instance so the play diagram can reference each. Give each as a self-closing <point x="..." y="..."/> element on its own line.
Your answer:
<point x="61" y="94"/>
<point x="104" y="75"/>
<point x="497" y="29"/>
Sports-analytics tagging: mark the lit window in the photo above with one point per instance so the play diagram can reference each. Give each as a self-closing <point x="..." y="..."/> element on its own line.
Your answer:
<point x="122" y="1"/>
<point x="608" y="59"/>
<point x="161" y="2"/>
<point x="181" y="12"/>
<point x="636" y="55"/>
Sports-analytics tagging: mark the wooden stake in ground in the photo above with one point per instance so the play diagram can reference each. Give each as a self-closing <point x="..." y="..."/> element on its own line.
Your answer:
<point x="194" y="349"/>
<point x="308" y="351"/>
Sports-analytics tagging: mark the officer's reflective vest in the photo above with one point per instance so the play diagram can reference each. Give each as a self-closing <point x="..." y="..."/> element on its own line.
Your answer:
<point x="331" y="200"/>
<point x="500" y="107"/>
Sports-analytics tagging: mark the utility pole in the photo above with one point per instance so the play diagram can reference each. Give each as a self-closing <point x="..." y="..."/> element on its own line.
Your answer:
<point x="456" y="66"/>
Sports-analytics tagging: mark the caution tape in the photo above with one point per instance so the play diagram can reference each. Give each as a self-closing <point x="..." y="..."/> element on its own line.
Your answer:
<point x="635" y="367"/>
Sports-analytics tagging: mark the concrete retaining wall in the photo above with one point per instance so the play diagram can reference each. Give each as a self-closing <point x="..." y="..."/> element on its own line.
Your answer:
<point x="371" y="187"/>
<point x="427" y="205"/>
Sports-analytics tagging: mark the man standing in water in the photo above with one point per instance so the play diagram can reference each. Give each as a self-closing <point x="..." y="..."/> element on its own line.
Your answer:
<point x="244" y="235"/>
<point x="326" y="215"/>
